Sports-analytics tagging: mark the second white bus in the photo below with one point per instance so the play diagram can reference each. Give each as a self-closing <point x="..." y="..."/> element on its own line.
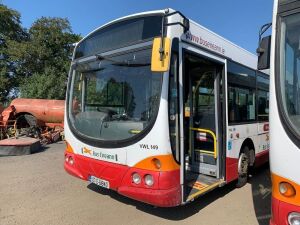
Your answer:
<point x="284" y="111"/>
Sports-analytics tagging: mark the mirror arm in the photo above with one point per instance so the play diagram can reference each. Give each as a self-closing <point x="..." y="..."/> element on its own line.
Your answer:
<point x="185" y="25"/>
<point x="162" y="43"/>
<point x="262" y="30"/>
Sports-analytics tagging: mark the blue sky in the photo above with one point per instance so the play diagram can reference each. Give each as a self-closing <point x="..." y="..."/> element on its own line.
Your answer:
<point x="237" y="20"/>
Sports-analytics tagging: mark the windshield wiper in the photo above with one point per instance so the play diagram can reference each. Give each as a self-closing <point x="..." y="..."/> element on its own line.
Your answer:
<point x="117" y="63"/>
<point x="93" y="70"/>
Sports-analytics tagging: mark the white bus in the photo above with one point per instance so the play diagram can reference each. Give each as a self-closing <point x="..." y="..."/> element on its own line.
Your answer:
<point x="163" y="110"/>
<point x="284" y="111"/>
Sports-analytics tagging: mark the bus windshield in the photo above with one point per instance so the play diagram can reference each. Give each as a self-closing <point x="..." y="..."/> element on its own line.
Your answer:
<point x="114" y="98"/>
<point x="290" y="69"/>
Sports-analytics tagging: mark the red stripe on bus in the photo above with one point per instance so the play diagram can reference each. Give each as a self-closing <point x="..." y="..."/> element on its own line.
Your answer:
<point x="165" y="192"/>
<point x="261" y="158"/>
<point x="281" y="210"/>
<point x="231" y="169"/>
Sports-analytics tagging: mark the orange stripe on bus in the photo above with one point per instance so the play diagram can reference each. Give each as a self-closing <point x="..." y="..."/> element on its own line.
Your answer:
<point x="167" y="163"/>
<point x="276" y="180"/>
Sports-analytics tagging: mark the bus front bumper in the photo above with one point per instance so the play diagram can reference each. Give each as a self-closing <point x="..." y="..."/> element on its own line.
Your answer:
<point x="281" y="211"/>
<point x="160" y="198"/>
<point x="165" y="192"/>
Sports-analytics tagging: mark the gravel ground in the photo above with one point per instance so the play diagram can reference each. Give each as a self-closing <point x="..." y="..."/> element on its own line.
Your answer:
<point x="35" y="189"/>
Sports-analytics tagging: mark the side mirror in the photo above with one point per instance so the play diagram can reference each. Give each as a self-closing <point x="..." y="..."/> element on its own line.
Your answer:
<point x="263" y="52"/>
<point x="161" y="53"/>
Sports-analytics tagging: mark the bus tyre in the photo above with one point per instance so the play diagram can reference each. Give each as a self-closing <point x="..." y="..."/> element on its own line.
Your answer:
<point x="243" y="167"/>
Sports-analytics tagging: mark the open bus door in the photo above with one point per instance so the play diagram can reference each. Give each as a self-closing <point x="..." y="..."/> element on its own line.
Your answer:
<point x="202" y="124"/>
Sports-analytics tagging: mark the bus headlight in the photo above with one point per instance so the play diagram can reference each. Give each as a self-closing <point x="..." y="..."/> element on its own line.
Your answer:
<point x="149" y="180"/>
<point x="286" y="189"/>
<point x="136" y="178"/>
<point x="294" y="218"/>
<point x="71" y="160"/>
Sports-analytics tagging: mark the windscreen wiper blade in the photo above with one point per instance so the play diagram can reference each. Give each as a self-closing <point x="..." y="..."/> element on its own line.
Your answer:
<point x="93" y="70"/>
<point x="132" y="64"/>
<point x="125" y="64"/>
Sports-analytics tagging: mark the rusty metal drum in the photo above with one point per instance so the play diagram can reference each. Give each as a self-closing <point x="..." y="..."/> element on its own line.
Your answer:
<point x="47" y="111"/>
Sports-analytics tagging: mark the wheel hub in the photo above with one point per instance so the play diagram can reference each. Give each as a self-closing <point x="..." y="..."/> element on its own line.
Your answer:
<point x="243" y="164"/>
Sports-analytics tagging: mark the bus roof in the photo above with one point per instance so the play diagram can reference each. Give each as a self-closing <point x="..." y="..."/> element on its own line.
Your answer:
<point x="207" y="39"/>
<point x="202" y="37"/>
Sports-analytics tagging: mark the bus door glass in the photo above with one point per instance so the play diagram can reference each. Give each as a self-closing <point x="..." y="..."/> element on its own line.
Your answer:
<point x="200" y="114"/>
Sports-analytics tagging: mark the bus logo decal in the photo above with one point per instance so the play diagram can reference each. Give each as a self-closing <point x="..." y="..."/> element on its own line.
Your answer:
<point x="207" y="44"/>
<point x="86" y="151"/>
<point x="99" y="155"/>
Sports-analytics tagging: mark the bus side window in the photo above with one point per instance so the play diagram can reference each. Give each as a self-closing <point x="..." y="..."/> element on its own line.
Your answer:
<point x="263" y="105"/>
<point x="241" y="93"/>
<point x="241" y="104"/>
<point x="231" y="105"/>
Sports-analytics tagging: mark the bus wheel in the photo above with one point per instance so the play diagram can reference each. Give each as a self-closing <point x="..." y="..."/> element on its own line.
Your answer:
<point x="243" y="167"/>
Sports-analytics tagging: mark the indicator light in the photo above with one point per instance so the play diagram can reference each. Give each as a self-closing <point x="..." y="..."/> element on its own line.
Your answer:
<point x="286" y="189"/>
<point x="156" y="162"/>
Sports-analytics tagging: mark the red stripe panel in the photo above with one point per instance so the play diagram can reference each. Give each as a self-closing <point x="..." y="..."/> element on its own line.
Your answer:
<point x="261" y="158"/>
<point x="165" y="192"/>
<point x="280" y="212"/>
<point x="231" y="169"/>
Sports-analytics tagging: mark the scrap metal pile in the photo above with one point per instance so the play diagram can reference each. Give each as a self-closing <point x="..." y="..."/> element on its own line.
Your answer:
<point x="35" y="118"/>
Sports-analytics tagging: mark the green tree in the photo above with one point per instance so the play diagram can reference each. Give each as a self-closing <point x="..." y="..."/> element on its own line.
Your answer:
<point x="11" y="34"/>
<point x="46" y="85"/>
<point x="46" y="58"/>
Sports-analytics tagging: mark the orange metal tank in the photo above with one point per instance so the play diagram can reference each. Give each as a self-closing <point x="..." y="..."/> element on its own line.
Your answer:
<point x="47" y="111"/>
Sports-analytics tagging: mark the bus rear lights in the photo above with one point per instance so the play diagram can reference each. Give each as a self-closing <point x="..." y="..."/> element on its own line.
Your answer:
<point x="156" y="162"/>
<point x="286" y="189"/>
<point x="66" y="158"/>
<point x="294" y="218"/>
<point x="149" y="181"/>
<point x="136" y="178"/>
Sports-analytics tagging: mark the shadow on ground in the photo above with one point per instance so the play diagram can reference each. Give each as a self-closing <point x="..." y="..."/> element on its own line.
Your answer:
<point x="260" y="183"/>
<point x="261" y="194"/>
<point x="182" y="212"/>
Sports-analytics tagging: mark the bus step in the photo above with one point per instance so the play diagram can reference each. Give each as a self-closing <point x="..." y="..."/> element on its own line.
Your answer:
<point x="199" y="184"/>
